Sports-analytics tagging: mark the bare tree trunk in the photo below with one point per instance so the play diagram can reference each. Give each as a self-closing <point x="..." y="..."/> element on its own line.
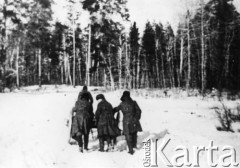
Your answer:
<point x="79" y="66"/>
<point x="120" y="63"/>
<point x="170" y="62"/>
<point x="132" y="54"/>
<point x="146" y="75"/>
<point x="169" y="65"/>
<point x="128" y="79"/>
<point x="138" y="69"/>
<point x="105" y="78"/>
<point x="17" y="65"/>
<point x="39" y="67"/>
<point x="49" y="75"/>
<point x="65" y="59"/>
<point x="49" y="71"/>
<point x="89" y="56"/>
<point x="181" y="55"/>
<point x="175" y="64"/>
<point x="80" y="72"/>
<point x="111" y="78"/>
<point x="68" y="70"/>
<point x="172" y="67"/>
<point x="129" y="71"/>
<point x="96" y="76"/>
<point x="163" y="72"/>
<point x="189" y="52"/>
<point x="11" y="54"/>
<point x="203" y="61"/>
<point x="157" y="62"/>
<point x="74" y="55"/>
<point x="61" y="72"/>
<point x="110" y="68"/>
<point x="229" y="38"/>
<point x="127" y="62"/>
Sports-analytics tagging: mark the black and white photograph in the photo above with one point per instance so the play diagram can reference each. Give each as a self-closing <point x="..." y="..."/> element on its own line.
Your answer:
<point x="119" y="83"/>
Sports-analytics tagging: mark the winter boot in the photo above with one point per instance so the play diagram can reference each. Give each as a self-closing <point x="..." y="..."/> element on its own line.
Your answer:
<point x="86" y="142"/>
<point x="101" y="144"/>
<point x="81" y="149"/>
<point x="131" y="152"/>
<point x="134" y="140"/>
<point x="130" y="144"/>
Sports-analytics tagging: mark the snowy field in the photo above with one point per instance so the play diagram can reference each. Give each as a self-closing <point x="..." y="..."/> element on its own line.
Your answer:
<point x="33" y="131"/>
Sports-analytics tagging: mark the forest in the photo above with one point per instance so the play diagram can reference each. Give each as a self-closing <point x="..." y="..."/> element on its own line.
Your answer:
<point x="203" y="53"/>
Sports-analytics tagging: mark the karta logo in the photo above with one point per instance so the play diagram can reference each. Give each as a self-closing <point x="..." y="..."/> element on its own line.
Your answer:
<point x="153" y="152"/>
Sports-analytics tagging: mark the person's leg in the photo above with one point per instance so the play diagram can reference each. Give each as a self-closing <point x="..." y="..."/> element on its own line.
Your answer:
<point x="108" y="139"/>
<point x="78" y="138"/>
<point x="114" y="140"/>
<point x="101" y="144"/>
<point x="129" y="143"/>
<point x="86" y="139"/>
<point x="134" y="140"/>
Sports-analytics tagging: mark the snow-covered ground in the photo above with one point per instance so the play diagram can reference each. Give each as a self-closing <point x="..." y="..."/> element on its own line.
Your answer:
<point x="33" y="131"/>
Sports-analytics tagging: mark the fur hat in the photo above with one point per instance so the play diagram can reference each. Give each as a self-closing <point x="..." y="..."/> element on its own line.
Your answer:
<point x="126" y="94"/>
<point x="100" y="96"/>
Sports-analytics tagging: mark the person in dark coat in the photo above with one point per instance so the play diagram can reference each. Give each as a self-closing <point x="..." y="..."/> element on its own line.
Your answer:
<point x="106" y="124"/>
<point x="89" y="99"/>
<point x="131" y="116"/>
<point x="81" y="121"/>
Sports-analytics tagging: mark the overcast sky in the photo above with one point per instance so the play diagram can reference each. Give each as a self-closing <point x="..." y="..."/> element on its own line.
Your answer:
<point x="142" y="11"/>
<point x="163" y="11"/>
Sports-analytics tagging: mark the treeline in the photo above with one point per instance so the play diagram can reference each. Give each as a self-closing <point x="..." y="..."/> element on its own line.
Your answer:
<point x="203" y="53"/>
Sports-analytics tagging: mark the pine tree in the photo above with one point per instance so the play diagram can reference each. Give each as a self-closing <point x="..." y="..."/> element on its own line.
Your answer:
<point x="38" y="32"/>
<point x="160" y="54"/>
<point x="101" y="13"/>
<point x="222" y="28"/>
<point x="134" y="57"/>
<point x="10" y="19"/>
<point x="148" y="46"/>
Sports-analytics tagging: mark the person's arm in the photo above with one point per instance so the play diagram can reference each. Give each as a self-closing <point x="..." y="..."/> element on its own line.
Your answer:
<point x="116" y="109"/>
<point x="138" y="111"/>
<point x="91" y="98"/>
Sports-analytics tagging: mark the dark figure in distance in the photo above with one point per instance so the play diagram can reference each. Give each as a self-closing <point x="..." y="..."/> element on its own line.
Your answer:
<point x="131" y="116"/>
<point x="81" y="121"/>
<point x="106" y="124"/>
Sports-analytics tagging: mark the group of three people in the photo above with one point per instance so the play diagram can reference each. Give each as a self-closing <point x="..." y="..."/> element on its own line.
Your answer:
<point x="107" y="126"/>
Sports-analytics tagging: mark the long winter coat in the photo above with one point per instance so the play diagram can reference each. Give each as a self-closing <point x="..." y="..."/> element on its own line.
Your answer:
<point x="81" y="122"/>
<point x="131" y="116"/>
<point x="106" y="123"/>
